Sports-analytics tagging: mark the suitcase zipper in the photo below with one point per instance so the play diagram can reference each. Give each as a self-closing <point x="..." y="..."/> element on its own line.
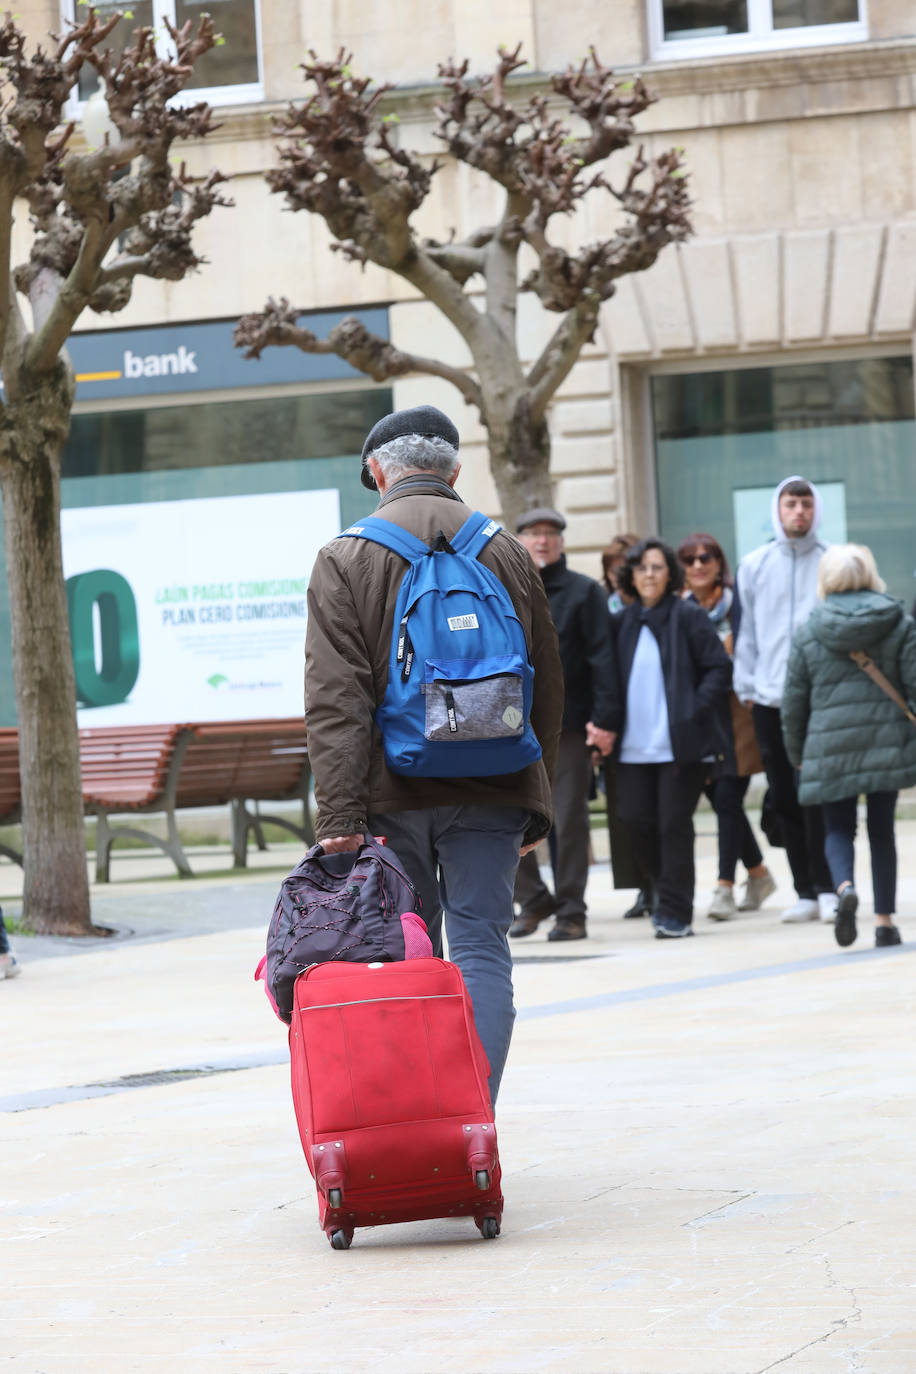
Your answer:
<point x="366" y="1001"/>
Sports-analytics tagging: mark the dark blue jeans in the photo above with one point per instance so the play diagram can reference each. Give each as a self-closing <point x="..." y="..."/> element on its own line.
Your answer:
<point x="462" y="860"/>
<point x="840" y="819"/>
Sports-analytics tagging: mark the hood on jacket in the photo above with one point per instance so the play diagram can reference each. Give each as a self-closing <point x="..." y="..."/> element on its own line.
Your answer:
<point x="854" y="620"/>
<point x="810" y="539"/>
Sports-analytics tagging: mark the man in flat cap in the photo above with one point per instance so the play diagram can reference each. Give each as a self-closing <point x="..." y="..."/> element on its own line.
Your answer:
<point x="578" y="606"/>
<point x="458" y="838"/>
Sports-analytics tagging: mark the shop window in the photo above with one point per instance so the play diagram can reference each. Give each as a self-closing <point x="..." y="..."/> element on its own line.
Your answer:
<point x="699" y="28"/>
<point x="723" y="440"/>
<point x="230" y="72"/>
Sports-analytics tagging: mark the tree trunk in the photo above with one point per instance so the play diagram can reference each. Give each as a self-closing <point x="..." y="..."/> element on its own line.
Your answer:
<point x="519" y="458"/>
<point x="56" y="892"/>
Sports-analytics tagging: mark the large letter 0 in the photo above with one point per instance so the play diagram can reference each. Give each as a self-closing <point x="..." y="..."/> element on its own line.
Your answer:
<point x="112" y="682"/>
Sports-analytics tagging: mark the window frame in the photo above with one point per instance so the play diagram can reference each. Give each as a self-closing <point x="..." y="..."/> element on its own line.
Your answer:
<point x="761" y="36"/>
<point x="244" y="94"/>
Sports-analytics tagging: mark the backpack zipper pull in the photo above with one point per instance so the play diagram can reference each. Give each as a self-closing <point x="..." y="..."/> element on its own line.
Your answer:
<point x="402" y="640"/>
<point x="408" y="661"/>
<point x="450" y="708"/>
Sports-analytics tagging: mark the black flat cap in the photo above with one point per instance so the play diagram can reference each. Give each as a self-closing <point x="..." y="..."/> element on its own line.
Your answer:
<point x="425" y="420"/>
<point x="541" y="515"/>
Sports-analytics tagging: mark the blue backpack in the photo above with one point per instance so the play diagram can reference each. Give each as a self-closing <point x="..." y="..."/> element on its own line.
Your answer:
<point x="458" y="700"/>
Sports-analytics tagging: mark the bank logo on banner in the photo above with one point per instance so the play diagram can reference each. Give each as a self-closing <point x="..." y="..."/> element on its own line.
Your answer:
<point x="192" y="610"/>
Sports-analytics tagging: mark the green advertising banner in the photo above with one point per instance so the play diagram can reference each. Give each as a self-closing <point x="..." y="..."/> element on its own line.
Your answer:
<point x="192" y="610"/>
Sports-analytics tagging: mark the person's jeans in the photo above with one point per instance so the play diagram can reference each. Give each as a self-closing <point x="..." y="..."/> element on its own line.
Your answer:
<point x="736" y="838"/>
<point x="802" y="827"/>
<point x="656" y="802"/>
<point x="568" y="839"/>
<point x="840" y="819"/>
<point x="462" y="859"/>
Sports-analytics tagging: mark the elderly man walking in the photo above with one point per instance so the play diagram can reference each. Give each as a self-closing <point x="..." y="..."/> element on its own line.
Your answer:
<point x="459" y="838"/>
<point x="579" y="609"/>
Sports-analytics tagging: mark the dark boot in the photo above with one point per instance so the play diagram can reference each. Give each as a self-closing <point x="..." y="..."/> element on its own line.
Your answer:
<point x="527" y="922"/>
<point x="641" y="907"/>
<point x="567" y="928"/>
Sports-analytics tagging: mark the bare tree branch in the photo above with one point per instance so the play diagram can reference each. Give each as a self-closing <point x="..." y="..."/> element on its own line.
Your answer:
<point x="561" y="352"/>
<point x="350" y="340"/>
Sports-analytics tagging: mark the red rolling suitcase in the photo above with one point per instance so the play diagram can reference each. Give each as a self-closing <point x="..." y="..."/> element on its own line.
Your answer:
<point x="390" y="1089"/>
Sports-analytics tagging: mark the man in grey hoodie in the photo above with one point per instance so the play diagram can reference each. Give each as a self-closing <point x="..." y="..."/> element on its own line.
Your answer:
<point x="777" y="588"/>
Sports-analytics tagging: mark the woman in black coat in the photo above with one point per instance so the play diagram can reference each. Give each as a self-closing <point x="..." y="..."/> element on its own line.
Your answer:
<point x="670" y="720"/>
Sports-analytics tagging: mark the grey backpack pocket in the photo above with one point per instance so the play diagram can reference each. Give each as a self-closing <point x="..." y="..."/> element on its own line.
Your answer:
<point x="487" y="705"/>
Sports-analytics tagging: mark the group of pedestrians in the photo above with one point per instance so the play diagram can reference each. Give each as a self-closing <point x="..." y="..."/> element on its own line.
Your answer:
<point x="691" y="683"/>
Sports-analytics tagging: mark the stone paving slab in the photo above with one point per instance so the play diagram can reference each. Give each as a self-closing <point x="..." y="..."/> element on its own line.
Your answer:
<point x="708" y="1150"/>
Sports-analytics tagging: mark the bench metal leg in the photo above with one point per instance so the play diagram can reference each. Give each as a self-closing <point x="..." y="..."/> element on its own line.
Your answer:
<point x="11" y="854"/>
<point x="102" y="848"/>
<point x="107" y="834"/>
<point x="240" y="823"/>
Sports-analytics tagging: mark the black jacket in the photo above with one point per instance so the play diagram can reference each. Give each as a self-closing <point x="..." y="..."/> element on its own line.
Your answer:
<point x="578" y="608"/>
<point x="697" y="673"/>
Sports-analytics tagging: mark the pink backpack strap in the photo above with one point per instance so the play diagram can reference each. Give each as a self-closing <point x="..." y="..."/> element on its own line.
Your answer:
<point x="417" y="944"/>
<point x="260" y="976"/>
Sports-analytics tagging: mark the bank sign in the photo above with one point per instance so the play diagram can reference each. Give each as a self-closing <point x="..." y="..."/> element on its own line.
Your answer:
<point x="192" y="610"/>
<point x="175" y="358"/>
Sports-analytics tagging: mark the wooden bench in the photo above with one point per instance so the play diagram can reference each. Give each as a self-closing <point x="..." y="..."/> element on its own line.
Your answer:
<point x="10" y="794"/>
<point x="132" y="769"/>
<point x="140" y="770"/>
<point x="143" y="770"/>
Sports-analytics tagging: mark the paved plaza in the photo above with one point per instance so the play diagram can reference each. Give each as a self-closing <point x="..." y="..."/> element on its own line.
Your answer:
<point x="708" y="1149"/>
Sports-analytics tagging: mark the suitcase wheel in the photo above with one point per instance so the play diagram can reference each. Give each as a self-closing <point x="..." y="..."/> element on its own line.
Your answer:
<point x="489" y="1228"/>
<point x="340" y="1240"/>
<point x="482" y="1179"/>
<point x="335" y="1198"/>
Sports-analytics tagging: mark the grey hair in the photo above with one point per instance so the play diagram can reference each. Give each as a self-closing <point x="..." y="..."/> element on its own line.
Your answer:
<point x="848" y="568"/>
<point x="411" y="451"/>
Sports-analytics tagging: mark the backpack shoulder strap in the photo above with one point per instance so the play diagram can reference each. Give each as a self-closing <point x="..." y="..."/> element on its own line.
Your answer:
<point x="389" y="535"/>
<point x="475" y="534"/>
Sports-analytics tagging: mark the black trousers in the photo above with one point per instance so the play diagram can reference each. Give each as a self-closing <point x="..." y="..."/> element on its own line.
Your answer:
<point x="627" y="864"/>
<point x="656" y="802"/>
<point x="802" y="827"/>
<point x="736" y="838"/>
<point x="570" y="832"/>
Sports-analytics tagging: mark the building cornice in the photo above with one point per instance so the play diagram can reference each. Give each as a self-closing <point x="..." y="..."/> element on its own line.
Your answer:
<point x="860" y="63"/>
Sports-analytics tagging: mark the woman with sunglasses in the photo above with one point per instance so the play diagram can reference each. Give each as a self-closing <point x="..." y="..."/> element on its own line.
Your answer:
<point x="673" y="678"/>
<point x="708" y="582"/>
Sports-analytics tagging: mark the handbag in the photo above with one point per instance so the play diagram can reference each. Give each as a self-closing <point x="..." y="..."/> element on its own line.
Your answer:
<point x="861" y="660"/>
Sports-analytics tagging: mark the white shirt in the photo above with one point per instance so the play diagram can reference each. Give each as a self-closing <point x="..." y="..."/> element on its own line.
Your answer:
<point x="646" y="735"/>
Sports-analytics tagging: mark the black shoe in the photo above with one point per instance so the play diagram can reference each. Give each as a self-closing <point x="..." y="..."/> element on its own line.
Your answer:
<point x="845" y="928"/>
<point x="567" y="930"/>
<point x="887" y="935"/>
<point x="641" y="907"/>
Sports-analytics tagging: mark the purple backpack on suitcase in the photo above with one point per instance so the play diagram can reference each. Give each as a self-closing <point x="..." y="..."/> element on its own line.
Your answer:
<point x="357" y="907"/>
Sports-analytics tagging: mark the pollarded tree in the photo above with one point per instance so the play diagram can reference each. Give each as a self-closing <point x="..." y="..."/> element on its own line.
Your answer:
<point x="340" y="159"/>
<point x="101" y="218"/>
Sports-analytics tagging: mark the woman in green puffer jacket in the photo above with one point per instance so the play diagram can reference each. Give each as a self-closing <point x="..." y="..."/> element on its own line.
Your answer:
<point x="845" y="733"/>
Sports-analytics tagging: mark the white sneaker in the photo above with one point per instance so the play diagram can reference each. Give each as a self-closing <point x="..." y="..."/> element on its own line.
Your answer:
<point x="805" y="909"/>
<point x="722" y="907"/>
<point x="9" y="967"/>
<point x="826" y="907"/>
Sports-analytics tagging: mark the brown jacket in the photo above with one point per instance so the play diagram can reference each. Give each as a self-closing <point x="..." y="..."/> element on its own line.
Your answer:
<point x="351" y="601"/>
